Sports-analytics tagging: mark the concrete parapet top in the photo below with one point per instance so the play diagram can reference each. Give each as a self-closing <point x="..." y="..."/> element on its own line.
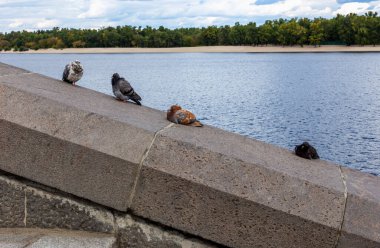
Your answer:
<point x="224" y="187"/>
<point x="84" y="99"/>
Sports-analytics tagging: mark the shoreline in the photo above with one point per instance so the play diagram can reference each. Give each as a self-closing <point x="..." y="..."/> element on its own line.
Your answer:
<point x="207" y="49"/>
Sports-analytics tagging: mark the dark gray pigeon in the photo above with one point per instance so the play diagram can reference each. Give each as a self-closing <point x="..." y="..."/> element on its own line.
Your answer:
<point x="73" y="72"/>
<point x="123" y="90"/>
<point x="305" y="150"/>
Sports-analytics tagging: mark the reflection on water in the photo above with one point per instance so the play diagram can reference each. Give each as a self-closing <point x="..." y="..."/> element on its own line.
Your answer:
<point x="331" y="100"/>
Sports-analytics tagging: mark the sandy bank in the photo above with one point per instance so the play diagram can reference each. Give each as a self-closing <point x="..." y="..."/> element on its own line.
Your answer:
<point x="214" y="49"/>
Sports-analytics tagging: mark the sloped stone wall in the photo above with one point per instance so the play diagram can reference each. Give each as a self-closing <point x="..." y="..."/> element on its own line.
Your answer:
<point x="25" y="204"/>
<point x="222" y="187"/>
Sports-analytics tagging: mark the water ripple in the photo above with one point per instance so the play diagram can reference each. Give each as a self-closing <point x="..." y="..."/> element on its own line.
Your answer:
<point x="330" y="100"/>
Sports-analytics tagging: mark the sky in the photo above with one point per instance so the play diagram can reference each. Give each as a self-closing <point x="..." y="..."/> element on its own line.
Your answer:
<point x="45" y="14"/>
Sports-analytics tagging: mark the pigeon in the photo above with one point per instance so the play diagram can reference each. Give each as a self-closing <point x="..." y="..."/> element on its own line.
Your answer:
<point x="182" y="116"/>
<point x="123" y="90"/>
<point x="305" y="150"/>
<point x="73" y="72"/>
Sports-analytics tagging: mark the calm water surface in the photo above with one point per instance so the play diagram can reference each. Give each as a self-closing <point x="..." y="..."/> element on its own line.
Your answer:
<point x="331" y="100"/>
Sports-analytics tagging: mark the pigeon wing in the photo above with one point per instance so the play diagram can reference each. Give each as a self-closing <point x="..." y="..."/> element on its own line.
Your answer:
<point x="125" y="87"/>
<point x="65" y="74"/>
<point x="313" y="154"/>
<point x="135" y="96"/>
<point x="185" y="117"/>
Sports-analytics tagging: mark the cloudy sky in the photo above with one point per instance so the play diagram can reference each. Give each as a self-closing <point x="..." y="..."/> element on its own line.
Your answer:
<point x="45" y="14"/>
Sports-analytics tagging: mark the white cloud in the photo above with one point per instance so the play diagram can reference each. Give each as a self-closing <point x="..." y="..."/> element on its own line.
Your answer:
<point x="44" y="24"/>
<point x="376" y="6"/>
<point x="347" y="8"/>
<point x="16" y="23"/>
<point x="292" y="8"/>
<point x="21" y="14"/>
<point x="99" y="8"/>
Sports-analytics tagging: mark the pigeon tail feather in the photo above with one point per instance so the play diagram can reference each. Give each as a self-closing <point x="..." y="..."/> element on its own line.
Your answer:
<point x="137" y="102"/>
<point x="135" y="97"/>
<point x="196" y="124"/>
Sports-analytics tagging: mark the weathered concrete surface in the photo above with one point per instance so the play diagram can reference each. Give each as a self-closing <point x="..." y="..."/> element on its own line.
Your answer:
<point x="194" y="182"/>
<point x="39" y="208"/>
<point x="47" y="210"/>
<point x="42" y="238"/>
<point x="27" y="206"/>
<point x="361" y="227"/>
<point x="6" y="70"/>
<point x="136" y="233"/>
<point x="206" y="182"/>
<point x="66" y="166"/>
<point x="73" y="139"/>
<point x="12" y="207"/>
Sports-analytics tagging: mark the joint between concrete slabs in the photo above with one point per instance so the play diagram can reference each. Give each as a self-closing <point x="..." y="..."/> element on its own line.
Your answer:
<point x="144" y="156"/>
<point x="25" y="207"/>
<point x="344" y="208"/>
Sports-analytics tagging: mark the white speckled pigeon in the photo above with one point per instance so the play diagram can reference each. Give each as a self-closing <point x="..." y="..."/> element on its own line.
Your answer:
<point x="123" y="90"/>
<point x="73" y="72"/>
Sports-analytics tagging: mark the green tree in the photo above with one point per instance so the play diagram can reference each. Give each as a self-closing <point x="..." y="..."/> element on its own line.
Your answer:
<point x="238" y="34"/>
<point x="316" y="33"/>
<point x="224" y="35"/>
<point x="266" y="33"/>
<point x="349" y="29"/>
<point x="345" y="29"/>
<point x="78" y="44"/>
<point x="373" y="27"/>
<point x="209" y="36"/>
<point x="251" y="34"/>
<point x="291" y="33"/>
<point x="5" y="45"/>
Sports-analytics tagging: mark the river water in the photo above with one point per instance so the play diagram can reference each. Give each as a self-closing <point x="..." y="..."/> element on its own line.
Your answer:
<point x="331" y="100"/>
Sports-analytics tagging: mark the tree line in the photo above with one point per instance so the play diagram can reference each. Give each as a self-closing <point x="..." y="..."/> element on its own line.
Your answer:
<point x="351" y="29"/>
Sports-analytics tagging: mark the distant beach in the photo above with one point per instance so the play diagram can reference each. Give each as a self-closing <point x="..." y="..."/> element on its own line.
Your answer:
<point x="210" y="49"/>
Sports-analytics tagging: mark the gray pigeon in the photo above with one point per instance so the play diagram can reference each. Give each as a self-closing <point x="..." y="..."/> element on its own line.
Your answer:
<point x="123" y="90"/>
<point x="73" y="72"/>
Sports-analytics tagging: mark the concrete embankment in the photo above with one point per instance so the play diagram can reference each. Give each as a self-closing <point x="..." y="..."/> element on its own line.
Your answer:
<point x="211" y="186"/>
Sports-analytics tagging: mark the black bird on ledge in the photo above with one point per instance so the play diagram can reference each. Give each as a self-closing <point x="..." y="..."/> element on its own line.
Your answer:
<point x="305" y="150"/>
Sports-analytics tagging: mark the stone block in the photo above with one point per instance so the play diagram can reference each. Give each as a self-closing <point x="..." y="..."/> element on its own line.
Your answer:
<point x="23" y="205"/>
<point x="47" y="210"/>
<point x="240" y="198"/>
<point x="17" y="238"/>
<point x="134" y="232"/>
<point x="70" y="239"/>
<point x="74" y="139"/>
<point x="361" y="227"/>
<point x="12" y="203"/>
<point x="43" y="238"/>
<point x="66" y="166"/>
<point x="349" y="240"/>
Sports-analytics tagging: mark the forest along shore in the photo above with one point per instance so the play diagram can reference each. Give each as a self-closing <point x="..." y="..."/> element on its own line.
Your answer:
<point x="211" y="49"/>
